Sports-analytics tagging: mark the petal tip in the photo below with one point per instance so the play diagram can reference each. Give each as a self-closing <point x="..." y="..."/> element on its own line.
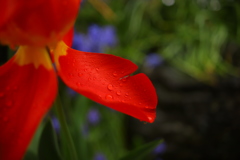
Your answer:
<point x="151" y="119"/>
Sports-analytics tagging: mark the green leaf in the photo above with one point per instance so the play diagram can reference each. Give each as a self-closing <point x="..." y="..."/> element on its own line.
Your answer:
<point x="33" y="147"/>
<point x="140" y="152"/>
<point x="30" y="155"/>
<point x="48" y="148"/>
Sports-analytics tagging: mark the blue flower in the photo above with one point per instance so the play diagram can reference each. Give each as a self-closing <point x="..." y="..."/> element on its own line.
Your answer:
<point x="108" y="37"/>
<point x="160" y="149"/>
<point x="81" y="42"/>
<point x="56" y="124"/>
<point x="93" y="116"/>
<point x="96" y="40"/>
<point x="71" y="92"/>
<point x="153" y="60"/>
<point x="99" y="156"/>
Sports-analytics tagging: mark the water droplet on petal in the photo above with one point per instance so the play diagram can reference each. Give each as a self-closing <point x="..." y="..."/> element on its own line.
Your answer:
<point x="150" y="119"/>
<point x="70" y="75"/>
<point x="15" y="87"/>
<point x="9" y="103"/>
<point x="97" y="69"/>
<point x="5" y="119"/>
<point x="118" y="93"/>
<point x="80" y="74"/>
<point x="78" y="84"/>
<point x="110" y="87"/>
<point x="109" y="97"/>
<point x="115" y="74"/>
<point x="124" y="79"/>
<point x="1" y="94"/>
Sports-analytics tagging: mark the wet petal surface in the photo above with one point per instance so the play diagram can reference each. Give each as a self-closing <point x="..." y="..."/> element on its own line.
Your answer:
<point x="106" y="79"/>
<point x="27" y="90"/>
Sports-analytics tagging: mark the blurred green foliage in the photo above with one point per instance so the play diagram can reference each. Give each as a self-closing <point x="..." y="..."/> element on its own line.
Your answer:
<point x="191" y="35"/>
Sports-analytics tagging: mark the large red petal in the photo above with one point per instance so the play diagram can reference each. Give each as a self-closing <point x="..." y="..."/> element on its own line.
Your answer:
<point x="40" y="22"/>
<point x="105" y="79"/>
<point x="27" y="91"/>
<point x="8" y="9"/>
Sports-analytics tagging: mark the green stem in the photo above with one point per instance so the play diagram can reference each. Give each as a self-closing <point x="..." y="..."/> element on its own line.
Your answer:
<point x="64" y="128"/>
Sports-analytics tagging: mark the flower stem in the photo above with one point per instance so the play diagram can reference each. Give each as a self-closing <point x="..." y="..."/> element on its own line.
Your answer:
<point x="64" y="129"/>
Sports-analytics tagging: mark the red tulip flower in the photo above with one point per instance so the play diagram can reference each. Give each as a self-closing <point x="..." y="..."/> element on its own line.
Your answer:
<point x="28" y="81"/>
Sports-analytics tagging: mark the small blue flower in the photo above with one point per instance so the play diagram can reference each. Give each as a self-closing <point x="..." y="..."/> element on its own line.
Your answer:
<point x="93" y="116"/>
<point x="56" y="124"/>
<point x="71" y="92"/>
<point x="160" y="149"/>
<point x="94" y="31"/>
<point x="99" y="156"/>
<point x="81" y="42"/>
<point x="108" y="37"/>
<point x="96" y="40"/>
<point x="153" y="60"/>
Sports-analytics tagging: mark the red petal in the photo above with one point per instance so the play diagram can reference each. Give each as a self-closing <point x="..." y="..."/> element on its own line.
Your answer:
<point x="8" y="9"/>
<point x="68" y="38"/>
<point x="40" y="22"/>
<point x="26" y="93"/>
<point x="105" y="79"/>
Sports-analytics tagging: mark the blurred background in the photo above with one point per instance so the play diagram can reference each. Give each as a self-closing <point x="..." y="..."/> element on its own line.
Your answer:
<point x="190" y="50"/>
